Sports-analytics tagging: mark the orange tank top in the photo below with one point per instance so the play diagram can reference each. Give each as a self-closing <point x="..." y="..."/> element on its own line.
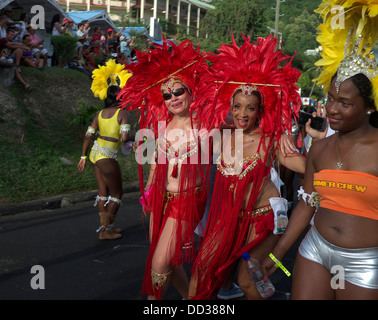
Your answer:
<point x="350" y="192"/>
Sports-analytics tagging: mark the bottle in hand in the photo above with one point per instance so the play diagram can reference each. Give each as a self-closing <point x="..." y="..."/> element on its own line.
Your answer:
<point x="266" y="289"/>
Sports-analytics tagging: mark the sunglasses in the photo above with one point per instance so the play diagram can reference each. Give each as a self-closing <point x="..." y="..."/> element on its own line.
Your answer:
<point x="178" y="92"/>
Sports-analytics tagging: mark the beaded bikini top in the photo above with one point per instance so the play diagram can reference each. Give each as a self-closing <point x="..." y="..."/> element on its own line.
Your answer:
<point x="184" y="151"/>
<point x="241" y="169"/>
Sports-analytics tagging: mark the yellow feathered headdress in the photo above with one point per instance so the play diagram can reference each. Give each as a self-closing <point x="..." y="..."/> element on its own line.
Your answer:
<point x="348" y="35"/>
<point x="112" y="74"/>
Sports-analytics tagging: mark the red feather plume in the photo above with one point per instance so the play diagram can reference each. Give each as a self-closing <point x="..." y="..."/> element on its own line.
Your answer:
<point x="251" y="63"/>
<point x="155" y="67"/>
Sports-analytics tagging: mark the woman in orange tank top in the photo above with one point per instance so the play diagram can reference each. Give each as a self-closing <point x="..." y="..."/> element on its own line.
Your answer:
<point x="338" y="259"/>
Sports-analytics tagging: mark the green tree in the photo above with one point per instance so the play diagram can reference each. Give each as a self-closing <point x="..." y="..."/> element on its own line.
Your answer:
<point x="239" y="16"/>
<point x="300" y="34"/>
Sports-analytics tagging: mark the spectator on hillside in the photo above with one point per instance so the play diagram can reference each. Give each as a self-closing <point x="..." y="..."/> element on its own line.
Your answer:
<point x="24" y="19"/>
<point x="68" y="23"/>
<point x="96" y="47"/>
<point x="81" y="32"/>
<point x="103" y="36"/>
<point x="3" y="27"/>
<point x="97" y="35"/>
<point x="125" y="47"/>
<point x="14" y="51"/>
<point x="112" y="40"/>
<point x="38" y="50"/>
<point x="80" y="41"/>
<point x="86" y="31"/>
<point x="8" y="14"/>
<point x="27" y="56"/>
<point x="79" y="63"/>
<point x="56" y="27"/>
<point x="89" y="58"/>
<point x="122" y="59"/>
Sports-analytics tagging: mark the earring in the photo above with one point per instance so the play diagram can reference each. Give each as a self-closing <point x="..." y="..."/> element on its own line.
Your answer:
<point x="369" y="112"/>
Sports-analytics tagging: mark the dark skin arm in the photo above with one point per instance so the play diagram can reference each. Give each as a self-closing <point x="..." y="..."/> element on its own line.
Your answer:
<point x="299" y="220"/>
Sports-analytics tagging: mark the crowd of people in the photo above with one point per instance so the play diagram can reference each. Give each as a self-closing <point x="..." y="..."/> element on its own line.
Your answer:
<point x="244" y="98"/>
<point x="20" y="45"/>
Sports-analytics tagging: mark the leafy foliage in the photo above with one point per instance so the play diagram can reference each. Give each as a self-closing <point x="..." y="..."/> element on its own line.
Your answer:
<point x="64" y="48"/>
<point x="298" y="25"/>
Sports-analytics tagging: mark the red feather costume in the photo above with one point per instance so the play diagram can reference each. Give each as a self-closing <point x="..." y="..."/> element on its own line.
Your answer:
<point x="166" y="64"/>
<point x="257" y="66"/>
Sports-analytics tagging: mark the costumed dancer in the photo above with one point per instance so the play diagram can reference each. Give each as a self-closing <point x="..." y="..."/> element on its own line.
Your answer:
<point x="259" y="89"/>
<point x="338" y="258"/>
<point x="162" y="88"/>
<point x="113" y="126"/>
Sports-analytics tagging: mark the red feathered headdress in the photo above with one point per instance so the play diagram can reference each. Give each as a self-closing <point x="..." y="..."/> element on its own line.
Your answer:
<point x="166" y="64"/>
<point x="253" y="67"/>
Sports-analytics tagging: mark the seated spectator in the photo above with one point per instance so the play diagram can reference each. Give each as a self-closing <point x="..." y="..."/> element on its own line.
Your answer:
<point x="24" y="19"/>
<point x="89" y="57"/>
<point x="39" y="51"/>
<point x="8" y="14"/>
<point x="122" y="59"/>
<point x="96" y="36"/>
<point x="3" y="27"/>
<point x="79" y="63"/>
<point x="98" y="53"/>
<point x="80" y="41"/>
<point x="27" y="56"/>
<point x="96" y="47"/>
<point x="13" y="51"/>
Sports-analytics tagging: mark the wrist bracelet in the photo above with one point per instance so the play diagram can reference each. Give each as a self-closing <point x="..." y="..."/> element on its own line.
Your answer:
<point x="279" y="264"/>
<point x="84" y="157"/>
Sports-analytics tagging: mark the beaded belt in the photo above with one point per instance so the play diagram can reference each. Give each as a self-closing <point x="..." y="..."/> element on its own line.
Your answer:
<point x="170" y="196"/>
<point x="255" y="213"/>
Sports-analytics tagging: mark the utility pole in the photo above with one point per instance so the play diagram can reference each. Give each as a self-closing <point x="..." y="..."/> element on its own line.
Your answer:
<point x="278" y="15"/>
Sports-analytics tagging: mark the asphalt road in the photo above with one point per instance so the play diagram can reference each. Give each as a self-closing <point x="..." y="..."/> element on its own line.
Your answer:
<point x="58" y="253"/>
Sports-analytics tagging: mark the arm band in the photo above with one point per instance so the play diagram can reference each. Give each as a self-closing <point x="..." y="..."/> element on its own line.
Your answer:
<point x="90" y="131"/>
<point x="124" y="128"/>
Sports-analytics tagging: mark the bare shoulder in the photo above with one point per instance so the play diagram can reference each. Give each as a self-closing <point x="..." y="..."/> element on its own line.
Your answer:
<point x="322" y="151"/>
<point x="123" y="115"/>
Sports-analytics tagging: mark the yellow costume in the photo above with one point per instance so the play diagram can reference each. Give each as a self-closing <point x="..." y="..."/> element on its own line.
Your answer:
<point x="104" y="149"/>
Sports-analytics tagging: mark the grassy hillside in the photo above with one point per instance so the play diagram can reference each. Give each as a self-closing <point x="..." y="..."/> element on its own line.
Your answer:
<point x="41" y="134"/>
